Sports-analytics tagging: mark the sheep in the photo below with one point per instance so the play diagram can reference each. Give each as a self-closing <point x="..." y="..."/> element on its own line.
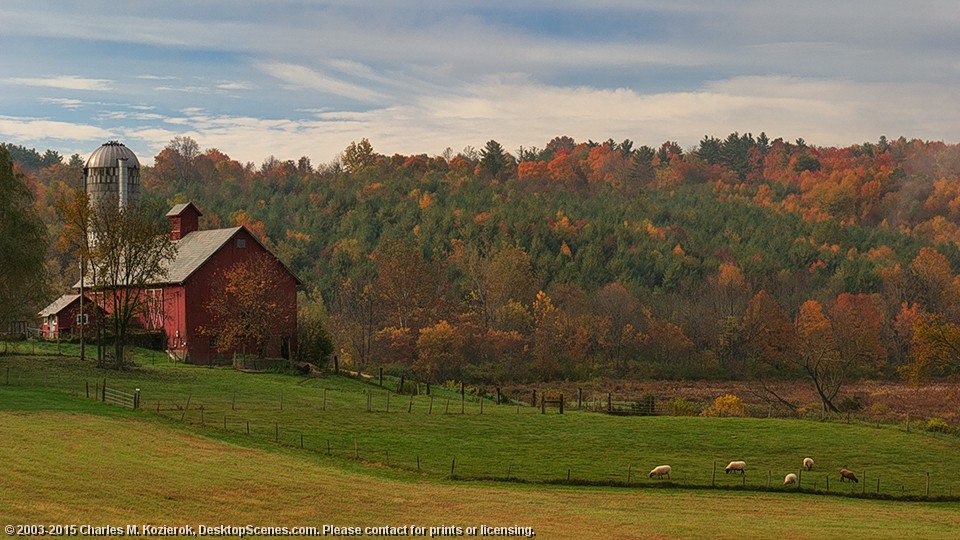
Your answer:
<point x="848" y="475"/>
<point x="790" y="479"/>
<point x="735" y="466"/>
<point x="807" y="464"/>
<point x="660" y="471"/>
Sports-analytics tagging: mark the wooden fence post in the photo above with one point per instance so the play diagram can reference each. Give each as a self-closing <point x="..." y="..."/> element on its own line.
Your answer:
<point x="410" y="406"/>
<point x="104" y="390"/>
<point x="336" y="365"/>
<point x="927" y="492"/>
<point x="447" y="409"/>
<point x="561" y="403"/>
<point x="543" y="403"/>
<point x="324" y="399"/>
<point x="453" y="465"/>
<point x="533" y="402"/>
<point x="400" y="386"/>
<point x="481" y="405"/>
<point x="430" y="410"/>
<point x="579" y="398"/>
<point x="609" y="402"/>
<point x="499" y="397"/>
<point x="713" y="477"/>
<point x="380" y="378"/>
<point x="276" y="429"/>
<point x="88" y="383"/>
<point x="248" y="427"/>
<point x="628" y="474"/>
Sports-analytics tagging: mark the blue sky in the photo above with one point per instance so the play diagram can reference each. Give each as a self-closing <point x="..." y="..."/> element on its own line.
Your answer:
<point x="292" y="78"/>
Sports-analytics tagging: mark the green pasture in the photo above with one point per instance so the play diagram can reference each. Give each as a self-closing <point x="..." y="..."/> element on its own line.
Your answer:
<point x="328" y="418"/>
<point x="128" y="468"/>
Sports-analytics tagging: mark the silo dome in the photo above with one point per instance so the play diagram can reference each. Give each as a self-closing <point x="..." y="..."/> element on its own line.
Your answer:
<point x="112" y="173"/>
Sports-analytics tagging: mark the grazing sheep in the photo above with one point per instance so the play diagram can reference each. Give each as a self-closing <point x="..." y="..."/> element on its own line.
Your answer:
<point x="736" y="466"/>
<point x="660" y="471"/>
<point x="790" y="479"/>
<point x="848" y="475"/>
<point x="807" y="464"/>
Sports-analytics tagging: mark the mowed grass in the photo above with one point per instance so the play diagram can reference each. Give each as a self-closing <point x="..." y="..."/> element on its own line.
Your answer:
<point x="505" y="441"/>
<point x="81" y="468"/>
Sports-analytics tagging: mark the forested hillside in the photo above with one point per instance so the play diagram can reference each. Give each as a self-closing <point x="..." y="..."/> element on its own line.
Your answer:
<point x="742" y="257"/>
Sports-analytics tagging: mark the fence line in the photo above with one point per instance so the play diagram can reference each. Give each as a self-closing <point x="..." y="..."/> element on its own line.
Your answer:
<point x="333" y="445"/>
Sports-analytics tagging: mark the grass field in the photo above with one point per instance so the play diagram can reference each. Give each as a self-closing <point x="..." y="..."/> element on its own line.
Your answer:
<point x="116" y="470"/>
<point x="193" y="472"/>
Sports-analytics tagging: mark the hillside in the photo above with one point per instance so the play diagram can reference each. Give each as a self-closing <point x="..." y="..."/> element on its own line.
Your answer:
<point x="601" y="259"/>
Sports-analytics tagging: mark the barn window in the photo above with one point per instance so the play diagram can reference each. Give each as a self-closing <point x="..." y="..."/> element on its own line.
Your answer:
<point x="82" y="318"/>
<point x="241" y="243"/>
<point x="213" y="342"/>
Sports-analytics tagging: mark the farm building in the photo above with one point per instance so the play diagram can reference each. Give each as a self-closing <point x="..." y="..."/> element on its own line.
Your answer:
<point x="63" y="317"/>
<point x="180" y="304"/>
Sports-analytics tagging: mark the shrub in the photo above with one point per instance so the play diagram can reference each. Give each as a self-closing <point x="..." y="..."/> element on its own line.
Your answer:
<point x="682" y="407"/>
<point x="726" y="405"/>
<point x="937" y="425"/>
<point x="852" y="404"/>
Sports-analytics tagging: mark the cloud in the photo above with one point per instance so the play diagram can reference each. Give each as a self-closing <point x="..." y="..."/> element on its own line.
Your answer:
<point x="66" y="103"/>
<point x="26" y="129"/>
<point x="306" y="78"/>
<point x="65" y="82"/>
<point x="235" y="85"/>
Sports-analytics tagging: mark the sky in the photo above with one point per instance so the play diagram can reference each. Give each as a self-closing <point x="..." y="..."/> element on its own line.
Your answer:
<point x="292" y="78"/>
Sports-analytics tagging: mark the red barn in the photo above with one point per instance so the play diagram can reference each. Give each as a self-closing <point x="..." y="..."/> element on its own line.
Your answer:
<point x="180" y="303"/>
<point x="62" y="318"/>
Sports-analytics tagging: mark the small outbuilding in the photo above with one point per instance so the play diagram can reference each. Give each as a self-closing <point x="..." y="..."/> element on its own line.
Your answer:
<point x="63" y="318"/>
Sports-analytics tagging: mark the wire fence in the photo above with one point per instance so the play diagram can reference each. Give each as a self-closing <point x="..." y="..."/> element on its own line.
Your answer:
<point x="229" y="417"/>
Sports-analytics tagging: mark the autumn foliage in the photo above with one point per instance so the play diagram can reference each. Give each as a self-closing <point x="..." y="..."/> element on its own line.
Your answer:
<point x="743" y="257"/>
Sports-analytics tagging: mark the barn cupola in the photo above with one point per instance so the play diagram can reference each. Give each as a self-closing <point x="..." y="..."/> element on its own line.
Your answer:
<point x="183" y="218"/>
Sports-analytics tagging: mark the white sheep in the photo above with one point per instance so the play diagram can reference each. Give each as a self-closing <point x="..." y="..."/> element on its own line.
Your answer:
<point x="660" y="471"/>
<point x="807" y="464"/>
<point x="736" y="466"/>
<point x="790" y="479"/>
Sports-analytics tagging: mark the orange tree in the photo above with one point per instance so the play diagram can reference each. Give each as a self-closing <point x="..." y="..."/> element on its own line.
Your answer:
<point x="248" y="310"/>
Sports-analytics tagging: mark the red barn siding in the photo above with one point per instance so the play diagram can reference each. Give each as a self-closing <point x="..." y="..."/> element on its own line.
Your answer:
<point x="200" y="287"/>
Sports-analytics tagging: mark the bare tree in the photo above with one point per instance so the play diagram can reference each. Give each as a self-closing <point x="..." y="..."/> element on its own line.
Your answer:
<point x="129" y="251"/>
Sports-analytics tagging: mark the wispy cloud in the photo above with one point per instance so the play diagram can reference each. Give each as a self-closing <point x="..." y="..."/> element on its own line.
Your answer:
<point x="25" y="129"/>
<point x="303" y="77"/>
<point x="236" y="85"/>
<point x="66" y="103"/>
<point x="65" y="82"/>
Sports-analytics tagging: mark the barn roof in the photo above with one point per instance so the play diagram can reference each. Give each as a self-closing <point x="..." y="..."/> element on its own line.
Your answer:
<point x="179" y="208"/>
<point x="194" y="249"/>
<point x="57" y="305"/>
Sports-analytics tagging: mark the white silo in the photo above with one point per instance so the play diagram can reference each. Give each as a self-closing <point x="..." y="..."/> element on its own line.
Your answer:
<point x="112" y="175"/>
